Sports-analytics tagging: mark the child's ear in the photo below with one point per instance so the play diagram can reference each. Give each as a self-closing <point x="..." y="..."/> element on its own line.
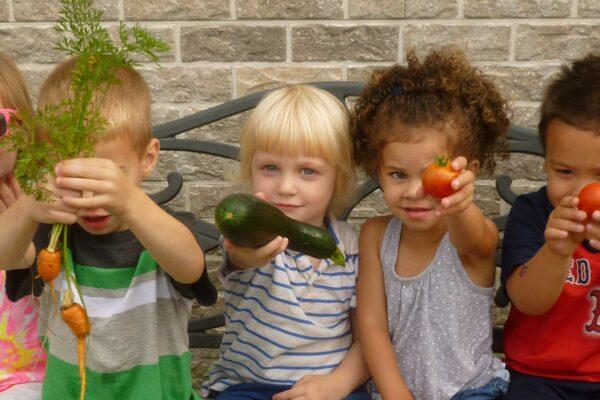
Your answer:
<point x="474" y="166"/>
<point x="150" y="157"/>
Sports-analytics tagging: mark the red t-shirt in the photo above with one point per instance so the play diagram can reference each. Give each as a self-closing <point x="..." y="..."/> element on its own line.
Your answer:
<point x="564" y="343"/>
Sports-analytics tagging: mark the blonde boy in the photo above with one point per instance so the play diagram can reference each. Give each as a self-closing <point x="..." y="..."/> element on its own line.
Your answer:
<point x="138" y="265"/>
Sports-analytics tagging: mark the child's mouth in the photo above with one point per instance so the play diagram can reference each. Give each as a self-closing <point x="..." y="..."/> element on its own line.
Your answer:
<point x="96" y="222"/>
<point x="416" y="212"/>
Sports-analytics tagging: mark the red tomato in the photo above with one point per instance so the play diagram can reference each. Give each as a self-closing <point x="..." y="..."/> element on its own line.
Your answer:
<point x="437" y="178"/>
<point x="589" y="199"/>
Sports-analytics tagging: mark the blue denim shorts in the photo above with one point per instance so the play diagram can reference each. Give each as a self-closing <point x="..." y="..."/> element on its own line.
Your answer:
<point x="493" y="390"/>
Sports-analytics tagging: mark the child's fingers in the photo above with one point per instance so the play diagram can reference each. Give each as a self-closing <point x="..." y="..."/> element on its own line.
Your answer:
<point x="61" y="217"/>
<point x="567" y="225"/>
<point x="459" y="163"/>
<point x="596" y="216"/>
<point x="592" y="231"/>
<point x="465" y="178"/>
<point x="7" y="196"/>
<point x="91" y="168"/>
<point x="569" y="201"/>
<point x="85" y="202"/>
<point x="261" y="196"/>
<point x="84" y="184"/>
<point x="556" y="234"/>
<point x="14" y="185"/>
<point x="272" y="248"/>
<point x="595" y="244"/>
<point x="569" y="213"/>
<point x="296" y="393"/>
<point x="458" y="197"/>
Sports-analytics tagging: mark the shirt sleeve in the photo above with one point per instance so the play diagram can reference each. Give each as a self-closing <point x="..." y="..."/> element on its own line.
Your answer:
<point x="202" y="290"/>
<point x="524" y="234"/>
<point x="21" y="282"/>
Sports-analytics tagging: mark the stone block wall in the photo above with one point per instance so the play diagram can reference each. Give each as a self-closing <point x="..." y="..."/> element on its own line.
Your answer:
<point x="224" y="49"/>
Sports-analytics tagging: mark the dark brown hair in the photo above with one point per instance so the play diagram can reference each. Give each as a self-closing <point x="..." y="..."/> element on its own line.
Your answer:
<point x="573" y="97"/>
<point x="443" y="91"/>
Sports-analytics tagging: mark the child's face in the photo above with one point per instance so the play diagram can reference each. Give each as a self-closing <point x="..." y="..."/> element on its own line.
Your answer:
<point x="402" y="164"/>
<point x="99" y="221"/>
<point x="299" y="186"/>
<point x="572" y="159"/>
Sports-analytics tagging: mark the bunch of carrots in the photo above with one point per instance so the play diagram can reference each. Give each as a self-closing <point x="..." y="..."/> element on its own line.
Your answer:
<point x="49" y="263"/>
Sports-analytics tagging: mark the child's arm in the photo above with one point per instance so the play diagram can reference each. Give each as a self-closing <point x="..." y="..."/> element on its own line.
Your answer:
<point x="474" y="236"/>
<point x="171" y="244"/>
<point x="240" y="257"/>
<point x="535" y="286"/>
<point x="343" y="380"/>
<point x="373" y="331"/>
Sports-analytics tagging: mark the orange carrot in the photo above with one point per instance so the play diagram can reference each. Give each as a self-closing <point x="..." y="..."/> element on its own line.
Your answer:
<point x="77" y="319"/>
<point x="48" y="264"/>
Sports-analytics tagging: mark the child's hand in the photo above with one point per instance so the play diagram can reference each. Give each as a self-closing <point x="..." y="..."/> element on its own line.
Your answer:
<point x="111" y="189"/>
<point x="55" y="211"/>
<point x="464" y="186"/>
<point x="314" y="387"/>
<point x="9" y="191"/>
<point x="565" y="230"/>
<point x="592" y="230"/>
<point x="248" y="257"/>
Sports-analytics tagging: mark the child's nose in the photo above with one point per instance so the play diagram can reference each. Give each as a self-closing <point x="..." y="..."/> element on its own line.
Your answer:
<point x="415" y="189"/>
<point x="287" y="185"/>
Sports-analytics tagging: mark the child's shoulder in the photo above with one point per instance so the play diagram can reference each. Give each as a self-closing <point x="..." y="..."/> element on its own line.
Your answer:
<point x="376" y="226"/>
<point x="532" y="205"/>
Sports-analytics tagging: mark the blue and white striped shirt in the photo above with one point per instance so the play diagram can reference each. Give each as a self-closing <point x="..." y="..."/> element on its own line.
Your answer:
<point x="284" y="320"/>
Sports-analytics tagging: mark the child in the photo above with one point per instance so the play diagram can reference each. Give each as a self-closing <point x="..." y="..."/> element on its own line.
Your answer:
<point x="288" y="331"/>
<point x="135" y="262"/>
<point x="427" y="271"/>
<point x="22" y="360"/>
<point x="552" y="335"/>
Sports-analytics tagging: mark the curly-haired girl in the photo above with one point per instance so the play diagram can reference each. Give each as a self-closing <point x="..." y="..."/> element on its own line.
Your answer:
<point x="427" y="270"/>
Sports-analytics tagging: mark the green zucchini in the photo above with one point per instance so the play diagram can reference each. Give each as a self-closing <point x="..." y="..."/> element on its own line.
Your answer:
<point x="249" y="221"/>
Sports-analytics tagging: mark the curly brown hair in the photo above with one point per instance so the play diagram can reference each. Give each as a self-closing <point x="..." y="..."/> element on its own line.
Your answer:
<point x="444" y="91"/>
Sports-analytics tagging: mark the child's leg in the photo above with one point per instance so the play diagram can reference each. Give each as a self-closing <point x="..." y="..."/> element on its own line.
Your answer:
<point x="493" y="390"/>
<point x="528" y="387"/>
<point x="251" y="391"/>
<point x="23" y="391"/>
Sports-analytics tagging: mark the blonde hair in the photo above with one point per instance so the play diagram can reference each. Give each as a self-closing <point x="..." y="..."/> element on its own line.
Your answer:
<point x="13" y="91"/>
<point x="302" y="120"/>
<point x="125" y="105"/>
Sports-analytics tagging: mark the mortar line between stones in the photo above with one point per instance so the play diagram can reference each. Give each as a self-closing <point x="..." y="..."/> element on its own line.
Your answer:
<point x="121" y="9"/>
<point x="400" y="57"/>
<point x="512" y="43"/>
<point x="233" y="9"/>
<point x="461" y="9"/>
<point x="288" y="43"/>
<point x="11" y="10"/>
<point x="481" y="22"/>
<point x="234" y="88"/>
<point x="178" y="56"/>
<point x="574" y="8"/>
<point x="345" y="9"/>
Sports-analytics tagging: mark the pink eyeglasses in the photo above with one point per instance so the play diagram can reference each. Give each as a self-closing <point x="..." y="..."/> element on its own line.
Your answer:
<point x="5" y="115"/>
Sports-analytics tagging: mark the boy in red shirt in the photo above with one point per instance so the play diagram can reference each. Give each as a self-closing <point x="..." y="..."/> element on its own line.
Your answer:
<point x="551" y="252"/>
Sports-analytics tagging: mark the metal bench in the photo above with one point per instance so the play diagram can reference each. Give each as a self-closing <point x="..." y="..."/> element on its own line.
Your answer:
<point x="521" y="140"/>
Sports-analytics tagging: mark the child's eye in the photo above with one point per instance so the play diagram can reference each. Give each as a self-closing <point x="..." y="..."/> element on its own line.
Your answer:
<point x="397" y="175"/>
<point x="564" y="171"/>
<point x="308" y="171"/>
<point x="270" y="168"/>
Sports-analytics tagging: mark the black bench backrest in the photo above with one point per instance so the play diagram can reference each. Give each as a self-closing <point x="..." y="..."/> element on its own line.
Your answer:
<point x="521" y="140"/>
